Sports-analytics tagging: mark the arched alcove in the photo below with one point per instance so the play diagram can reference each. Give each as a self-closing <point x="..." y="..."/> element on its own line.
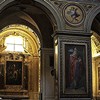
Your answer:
<point x="27" y="63"/>
<point x="95" y="38"/>
<point x="24" y="31"/>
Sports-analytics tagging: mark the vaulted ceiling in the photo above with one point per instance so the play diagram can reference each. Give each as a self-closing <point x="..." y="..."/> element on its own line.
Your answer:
<point x="29" y="14"/>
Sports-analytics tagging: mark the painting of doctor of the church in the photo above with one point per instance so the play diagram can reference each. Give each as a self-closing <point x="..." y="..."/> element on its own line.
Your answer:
<point x="75" y="68"/>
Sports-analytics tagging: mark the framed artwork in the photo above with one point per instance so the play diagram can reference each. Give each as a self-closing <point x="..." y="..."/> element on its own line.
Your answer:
<point x="14" y="72"/>
<point x="75" y="68"/>
<point x="73" y="14"/>
<point x="75" y="80"/>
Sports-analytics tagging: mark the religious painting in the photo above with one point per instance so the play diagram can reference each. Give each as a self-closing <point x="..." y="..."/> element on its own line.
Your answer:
<point x="73" y="14"/>
<point x="75" y="69"/>
<point x="13" y="72"/>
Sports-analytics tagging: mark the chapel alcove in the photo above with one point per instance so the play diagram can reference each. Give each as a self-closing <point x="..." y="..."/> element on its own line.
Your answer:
<point x="19" y="63"/>
<point x="95" y="41"/>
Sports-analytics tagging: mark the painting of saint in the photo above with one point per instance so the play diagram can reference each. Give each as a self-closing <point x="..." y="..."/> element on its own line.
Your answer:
<point x="13" y="73"/>
<point x="75" y="67"/>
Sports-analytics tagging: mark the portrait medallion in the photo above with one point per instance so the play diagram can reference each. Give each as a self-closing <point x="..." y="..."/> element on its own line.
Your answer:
<point x="73" y="14"/>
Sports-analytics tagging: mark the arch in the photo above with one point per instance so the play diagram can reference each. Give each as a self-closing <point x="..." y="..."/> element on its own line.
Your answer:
<point x="49" y="9"/>
<point x="89" y="20"/>
<point x="21" y="30"/>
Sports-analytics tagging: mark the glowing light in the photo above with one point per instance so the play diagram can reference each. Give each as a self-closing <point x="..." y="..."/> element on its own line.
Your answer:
<point x="14" y="43"/>
<point x="95" y="45"/>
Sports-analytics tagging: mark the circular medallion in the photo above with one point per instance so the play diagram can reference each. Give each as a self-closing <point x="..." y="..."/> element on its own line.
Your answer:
<point x="73" y="14"/>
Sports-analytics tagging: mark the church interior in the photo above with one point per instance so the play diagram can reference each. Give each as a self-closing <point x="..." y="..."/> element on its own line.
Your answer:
<point x="35" y="36"/>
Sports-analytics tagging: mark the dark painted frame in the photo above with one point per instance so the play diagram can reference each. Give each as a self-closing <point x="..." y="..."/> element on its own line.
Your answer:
<point x="14" y="74"/>
<point x="78" y="85"/>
